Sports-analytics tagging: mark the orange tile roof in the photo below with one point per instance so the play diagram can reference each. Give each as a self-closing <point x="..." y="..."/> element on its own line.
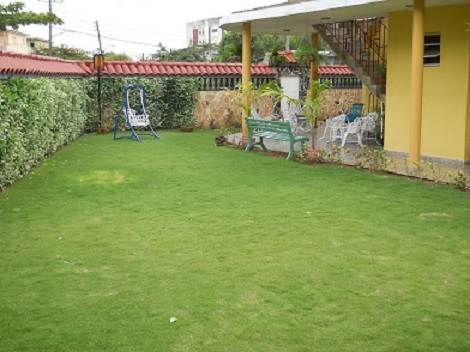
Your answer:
<point x="326" y="70"/>
<point x="335" y="70"/>
<point x="25" y="64"/>
<point x="154" y="68"/>
<point x="14" y="63"/>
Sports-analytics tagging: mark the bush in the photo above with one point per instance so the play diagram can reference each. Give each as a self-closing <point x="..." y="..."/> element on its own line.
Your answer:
<point x="170" y="101"/>
<point x="37" y="117"/>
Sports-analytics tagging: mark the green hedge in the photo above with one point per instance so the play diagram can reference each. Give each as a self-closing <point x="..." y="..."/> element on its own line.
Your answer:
<point x="170" y="101"/>
<point x="37" y="117"/>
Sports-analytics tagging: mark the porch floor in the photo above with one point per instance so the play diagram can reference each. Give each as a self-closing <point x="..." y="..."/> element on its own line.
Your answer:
<point x="436" y="170"/>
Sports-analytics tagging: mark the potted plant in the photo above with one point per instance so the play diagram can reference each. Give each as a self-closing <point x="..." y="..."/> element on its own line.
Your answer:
<point x="311" y="110"/>
<point x="275" y="59"/>
<point x="187" y="123"/>
<point x="306" y="53"/>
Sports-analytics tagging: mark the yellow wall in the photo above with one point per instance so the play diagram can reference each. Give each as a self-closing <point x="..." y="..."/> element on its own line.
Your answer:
<point x="446" y="87"/>
<point x="467" y="139"/>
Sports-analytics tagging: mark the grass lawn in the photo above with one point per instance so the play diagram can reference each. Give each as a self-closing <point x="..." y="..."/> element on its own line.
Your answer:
<point x="107" y="240"/>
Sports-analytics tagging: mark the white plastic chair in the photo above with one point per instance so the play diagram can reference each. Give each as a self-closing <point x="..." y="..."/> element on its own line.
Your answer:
<point x="369" y="124"/>
<point x="336" y="126"/>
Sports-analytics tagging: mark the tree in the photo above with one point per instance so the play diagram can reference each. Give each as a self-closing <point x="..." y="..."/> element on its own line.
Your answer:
<point x="182" y="55"/>
<point x="13" y="15"/>
<point x="64" y="52"/>
<point x="230" y="48"/>
<point x="112" y="56"/>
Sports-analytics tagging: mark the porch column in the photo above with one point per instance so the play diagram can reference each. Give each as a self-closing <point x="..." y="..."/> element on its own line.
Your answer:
<point x="417" y="53"/>
<point x="246" y="69"/>
<point x="313" y="65"/>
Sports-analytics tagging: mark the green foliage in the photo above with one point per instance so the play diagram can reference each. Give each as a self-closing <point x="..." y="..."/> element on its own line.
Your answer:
<point x="112" y="56"/>
<point x="13" y="15"/>
<point x="306" y="53"/>
<point x="64" y="52"/>
<point x="176" y="102"/>
<point x="189" y="54"/>
<point x="37" y="117"/>
<point x="230" y="48"/>
<point x="170" y="101"/>
<point x="458" y="181"/>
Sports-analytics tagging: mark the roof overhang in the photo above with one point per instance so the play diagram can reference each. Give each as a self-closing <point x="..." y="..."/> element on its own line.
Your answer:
<point x="297" y="19"/>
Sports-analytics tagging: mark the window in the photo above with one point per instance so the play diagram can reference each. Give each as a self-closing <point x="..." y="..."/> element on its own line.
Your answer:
<point x="214" y="30"/>
<point x="432" y="50"/>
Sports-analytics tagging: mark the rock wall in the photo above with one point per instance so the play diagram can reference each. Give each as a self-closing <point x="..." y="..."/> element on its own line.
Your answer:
<point x="215" y="109"/>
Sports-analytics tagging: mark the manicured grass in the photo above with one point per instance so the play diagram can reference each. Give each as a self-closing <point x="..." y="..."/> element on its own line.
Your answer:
<point x="107" y="240"/>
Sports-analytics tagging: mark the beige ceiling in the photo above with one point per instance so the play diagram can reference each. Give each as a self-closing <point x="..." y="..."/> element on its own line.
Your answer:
<point x="297" y="19"/>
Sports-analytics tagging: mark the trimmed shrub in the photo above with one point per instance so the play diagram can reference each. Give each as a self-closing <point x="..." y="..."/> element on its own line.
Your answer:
<point x="37" y="117"/>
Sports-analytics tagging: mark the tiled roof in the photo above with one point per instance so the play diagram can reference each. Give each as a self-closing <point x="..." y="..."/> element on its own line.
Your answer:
<point x="13" y="63"/>
<point x="326" y="70"/>
<point x="153" y="68"/>
<point x="289" y="56"/>
<point x="23" y="64"/>
<point x="335" y="70"/>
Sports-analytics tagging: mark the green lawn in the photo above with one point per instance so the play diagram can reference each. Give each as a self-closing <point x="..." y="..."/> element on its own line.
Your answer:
<point x="107" y="240"/>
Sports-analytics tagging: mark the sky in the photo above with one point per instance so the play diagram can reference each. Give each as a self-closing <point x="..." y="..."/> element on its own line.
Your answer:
<point x="148" y="22"/>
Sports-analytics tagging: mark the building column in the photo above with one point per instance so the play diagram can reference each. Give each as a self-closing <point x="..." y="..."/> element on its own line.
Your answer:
<point x="417" y="54"/>
<point x="314" y="64"/>
<point x="246" y="69"/>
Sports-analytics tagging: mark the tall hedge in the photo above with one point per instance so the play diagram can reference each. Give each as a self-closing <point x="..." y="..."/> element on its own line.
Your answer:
<point x="37" y="117"/>
<point x="169" y="100"/>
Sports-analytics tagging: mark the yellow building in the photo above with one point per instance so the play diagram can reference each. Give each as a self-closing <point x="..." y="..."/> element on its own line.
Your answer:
<point x="427" y="62"/>
<point x="34" y="44"/>
<point x="14" y="41"/>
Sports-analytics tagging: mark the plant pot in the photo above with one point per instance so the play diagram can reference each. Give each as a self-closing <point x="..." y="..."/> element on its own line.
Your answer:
<point x="186" y="129"/>
<point x="312" y="155"/>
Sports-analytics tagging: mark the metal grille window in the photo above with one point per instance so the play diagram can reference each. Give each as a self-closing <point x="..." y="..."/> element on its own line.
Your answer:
<point x="432" y="50"/>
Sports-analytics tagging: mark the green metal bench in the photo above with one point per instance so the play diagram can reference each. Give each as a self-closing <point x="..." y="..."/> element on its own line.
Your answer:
<point x="277" y="130"/>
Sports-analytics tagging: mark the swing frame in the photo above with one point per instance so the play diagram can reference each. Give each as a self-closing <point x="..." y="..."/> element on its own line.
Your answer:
<point x="134" y="118"/>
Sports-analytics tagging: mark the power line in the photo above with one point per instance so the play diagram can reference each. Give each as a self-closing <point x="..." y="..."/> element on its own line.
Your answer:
<point x="107" y="37"/>
<point x="126" y="28"/>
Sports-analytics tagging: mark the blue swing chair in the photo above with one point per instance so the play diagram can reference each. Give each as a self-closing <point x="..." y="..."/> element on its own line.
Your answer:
<point x="354" y="112"/>
<point x="135" y="119"/>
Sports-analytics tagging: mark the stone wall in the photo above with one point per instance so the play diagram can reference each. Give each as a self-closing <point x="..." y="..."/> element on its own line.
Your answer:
<point x="345" y="97"/>
<point x="214" y="109"/>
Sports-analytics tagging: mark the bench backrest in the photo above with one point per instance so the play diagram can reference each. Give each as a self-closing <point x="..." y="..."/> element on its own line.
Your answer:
<point x="268" y="126"/>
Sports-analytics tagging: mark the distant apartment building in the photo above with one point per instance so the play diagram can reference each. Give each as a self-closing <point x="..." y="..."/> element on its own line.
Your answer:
<point x="14" y="41"/>
<point x="36" y="43"/>
<point x="204" y="32"/>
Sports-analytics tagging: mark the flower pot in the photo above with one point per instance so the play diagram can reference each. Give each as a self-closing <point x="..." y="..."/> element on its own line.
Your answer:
<point x="186" y="129"/>
<point x="312" y="155"/>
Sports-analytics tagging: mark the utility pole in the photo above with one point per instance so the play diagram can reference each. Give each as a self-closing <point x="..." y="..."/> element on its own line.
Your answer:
<point x="99" y="38"/>
<point x="50" y="24"/>
<point x="98" y="60"/>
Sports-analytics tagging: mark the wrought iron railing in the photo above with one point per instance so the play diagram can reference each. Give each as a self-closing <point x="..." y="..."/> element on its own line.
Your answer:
<point x="366" y="41"/>
<point x="340" y="82"/>
<point x="221" y="83"/>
